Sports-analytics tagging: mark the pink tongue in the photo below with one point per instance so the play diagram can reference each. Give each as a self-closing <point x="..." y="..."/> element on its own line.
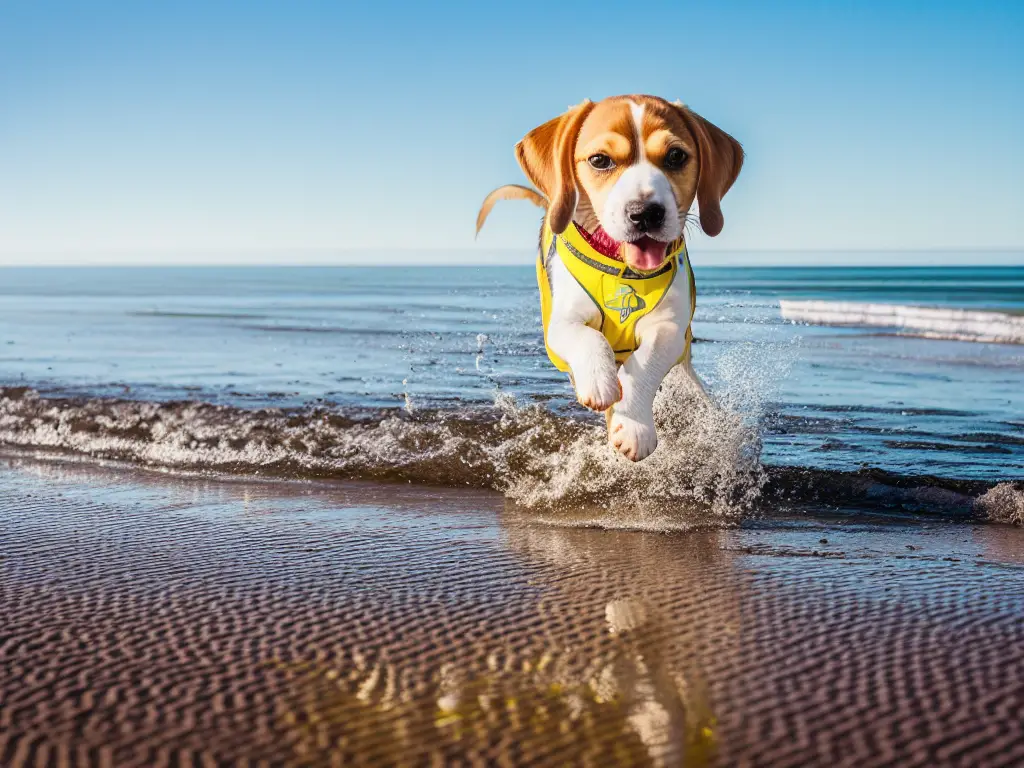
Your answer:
<point x="645" y="254"/>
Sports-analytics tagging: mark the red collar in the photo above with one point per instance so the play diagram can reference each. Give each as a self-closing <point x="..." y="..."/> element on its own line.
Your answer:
<point x="601" y="242"/>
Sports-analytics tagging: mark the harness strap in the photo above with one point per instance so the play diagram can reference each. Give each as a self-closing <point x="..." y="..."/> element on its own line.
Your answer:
<point x="621" y="295"/>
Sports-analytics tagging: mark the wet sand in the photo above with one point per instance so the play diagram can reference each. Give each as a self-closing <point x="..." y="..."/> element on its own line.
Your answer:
<point x="153" y="620"/>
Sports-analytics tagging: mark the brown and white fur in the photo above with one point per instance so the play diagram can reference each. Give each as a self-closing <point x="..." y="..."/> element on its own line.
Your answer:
<point x="627" y="170"/>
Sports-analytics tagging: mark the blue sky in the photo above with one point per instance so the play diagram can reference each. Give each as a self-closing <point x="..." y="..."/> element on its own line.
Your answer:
<point x="146" y="132"/>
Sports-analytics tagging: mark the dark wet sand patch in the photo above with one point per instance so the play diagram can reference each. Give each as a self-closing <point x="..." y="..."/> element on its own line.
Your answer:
<point x="159" y="620"/>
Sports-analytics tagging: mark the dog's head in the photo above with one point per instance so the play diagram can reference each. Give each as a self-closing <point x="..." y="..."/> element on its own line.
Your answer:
<point x="627" y="169"/>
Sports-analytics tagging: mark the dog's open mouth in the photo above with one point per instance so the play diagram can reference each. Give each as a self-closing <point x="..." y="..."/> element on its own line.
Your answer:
<point x="645" y="254"/>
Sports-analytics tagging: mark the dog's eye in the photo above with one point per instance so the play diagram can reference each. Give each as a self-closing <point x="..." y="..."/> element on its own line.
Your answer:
<point x="600" y="162"/>
<point x="676" y="158"/>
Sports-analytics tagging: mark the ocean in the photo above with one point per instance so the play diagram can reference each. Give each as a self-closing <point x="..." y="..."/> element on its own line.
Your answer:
<point x="438" y="376"/>
<point x="343" y="516"/>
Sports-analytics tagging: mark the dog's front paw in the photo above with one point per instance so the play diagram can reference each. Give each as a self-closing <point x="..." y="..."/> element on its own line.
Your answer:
<point x="635" y="439"/>
<point x="597" y="389"/>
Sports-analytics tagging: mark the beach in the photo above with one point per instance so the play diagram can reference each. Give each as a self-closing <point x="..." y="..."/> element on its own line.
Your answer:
<point x="155" y="619"/>
<point x="306" y="517"/>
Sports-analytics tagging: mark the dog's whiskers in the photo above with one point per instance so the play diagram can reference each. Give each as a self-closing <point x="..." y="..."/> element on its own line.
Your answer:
<point x="691" y="220"/>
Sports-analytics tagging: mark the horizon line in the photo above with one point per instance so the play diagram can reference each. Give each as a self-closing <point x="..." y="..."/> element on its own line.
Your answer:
<point x="322" y="249"/>
<point x="494" y="265"/>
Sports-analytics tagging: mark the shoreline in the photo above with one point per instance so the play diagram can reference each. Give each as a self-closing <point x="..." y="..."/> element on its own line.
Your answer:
<point x="500" y="448"/>
<point x="801" y="492"/>
<point x="153" y="618"/>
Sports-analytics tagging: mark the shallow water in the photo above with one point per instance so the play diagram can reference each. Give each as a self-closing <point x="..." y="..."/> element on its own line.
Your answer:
<point x="439" y="375"/>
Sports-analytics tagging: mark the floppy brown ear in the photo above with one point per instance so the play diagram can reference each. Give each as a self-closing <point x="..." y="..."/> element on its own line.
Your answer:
<point x="720" y="157"/>
<point x="546" y="156"/>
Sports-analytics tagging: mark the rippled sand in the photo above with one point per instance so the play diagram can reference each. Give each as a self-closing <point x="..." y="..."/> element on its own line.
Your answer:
<point x="163" y="620"/>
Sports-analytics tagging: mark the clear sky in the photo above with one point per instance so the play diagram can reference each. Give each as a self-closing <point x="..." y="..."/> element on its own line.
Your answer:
<point x="215" y="131"/>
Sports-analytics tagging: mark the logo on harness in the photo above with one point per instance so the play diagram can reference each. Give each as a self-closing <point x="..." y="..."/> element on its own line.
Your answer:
<point x="625" y="301"/>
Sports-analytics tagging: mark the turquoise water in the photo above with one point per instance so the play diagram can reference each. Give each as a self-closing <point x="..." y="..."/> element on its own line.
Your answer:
<point x="372" y="340"/>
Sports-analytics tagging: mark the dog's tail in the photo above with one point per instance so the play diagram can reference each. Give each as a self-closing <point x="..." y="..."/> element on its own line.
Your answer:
<point x="508" y="192"/>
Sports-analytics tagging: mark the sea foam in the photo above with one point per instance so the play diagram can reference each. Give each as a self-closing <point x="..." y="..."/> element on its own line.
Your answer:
<point x="926" y="322"/>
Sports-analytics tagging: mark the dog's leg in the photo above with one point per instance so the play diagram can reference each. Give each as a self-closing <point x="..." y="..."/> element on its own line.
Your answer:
<point x="631" y="426"/>
<point x="591" y="360"/>
<point x="571" y="335"/>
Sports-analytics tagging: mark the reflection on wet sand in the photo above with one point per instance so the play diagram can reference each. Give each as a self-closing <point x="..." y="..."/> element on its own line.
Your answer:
<point x="661" y="621"/>
<point x="606" y="668"/>
<point x="1000" y="543"/>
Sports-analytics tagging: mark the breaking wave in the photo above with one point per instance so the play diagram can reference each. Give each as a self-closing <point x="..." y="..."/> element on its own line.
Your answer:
<point x="537" y="458"/>
<point x="924" y="322"/>
<point x="558" y="466"/>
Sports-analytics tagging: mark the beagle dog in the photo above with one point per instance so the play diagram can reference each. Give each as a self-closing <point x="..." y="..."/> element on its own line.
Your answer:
<point x="617" y="179"/>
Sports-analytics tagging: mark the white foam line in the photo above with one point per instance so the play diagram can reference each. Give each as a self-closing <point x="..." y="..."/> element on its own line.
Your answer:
<point x="927" y="322"/>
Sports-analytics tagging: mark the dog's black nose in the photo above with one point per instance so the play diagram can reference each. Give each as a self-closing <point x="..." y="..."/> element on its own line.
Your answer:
<point x="646" y="216"/>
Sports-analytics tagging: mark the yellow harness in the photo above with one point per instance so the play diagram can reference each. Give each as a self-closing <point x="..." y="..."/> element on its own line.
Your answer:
<point x="622" y="295"/>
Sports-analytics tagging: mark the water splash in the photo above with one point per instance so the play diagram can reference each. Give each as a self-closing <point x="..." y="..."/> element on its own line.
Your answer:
<point x="481" y="342"/>
<point x="705" y="471"/>
<point x="1003" y="504"/>
<point x="409" y="408"/>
